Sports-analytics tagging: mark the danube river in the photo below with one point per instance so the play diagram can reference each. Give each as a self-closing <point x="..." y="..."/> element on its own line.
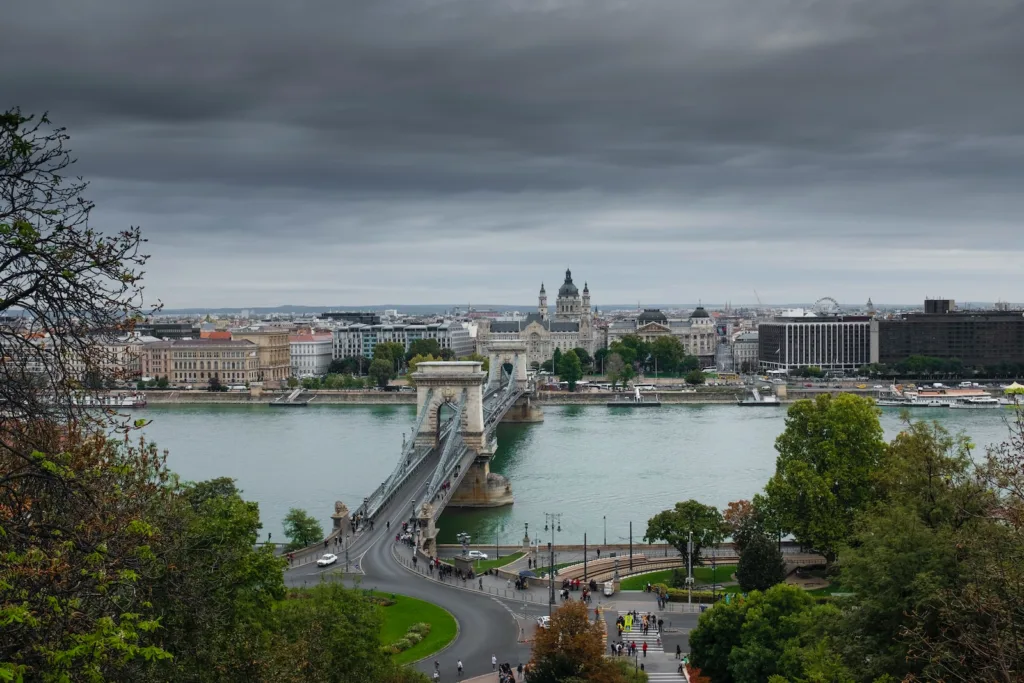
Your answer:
<point x="592" y="464"/>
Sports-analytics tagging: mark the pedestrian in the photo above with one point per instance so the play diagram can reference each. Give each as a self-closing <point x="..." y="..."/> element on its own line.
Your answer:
<point x="508" y="584"/>
<point x="459" y="666"/>
<point x="661" y="622"/>
<point x="679" y="652"/>
<point x="645" y="648"/>
<point x="494" y="663"/>
<point x="519" y="669"/>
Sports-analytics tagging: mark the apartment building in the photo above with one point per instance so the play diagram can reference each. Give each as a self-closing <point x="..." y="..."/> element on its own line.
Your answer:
<point x="311" y="354"/>
<point x="800" y="339"/>
<point x="359" y="339"/>
<point x="274" y="353"/>
<point x="197" y="361"/>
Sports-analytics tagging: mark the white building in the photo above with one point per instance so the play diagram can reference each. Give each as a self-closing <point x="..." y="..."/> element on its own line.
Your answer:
<point x="802" y="339"/>
<point x="311" y="354"/>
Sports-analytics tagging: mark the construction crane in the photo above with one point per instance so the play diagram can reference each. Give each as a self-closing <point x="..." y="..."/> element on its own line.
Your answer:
<point x="758" y="298"/>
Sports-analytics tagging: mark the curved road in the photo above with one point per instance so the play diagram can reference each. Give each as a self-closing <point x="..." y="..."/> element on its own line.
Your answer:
<point x="486" y="625"/>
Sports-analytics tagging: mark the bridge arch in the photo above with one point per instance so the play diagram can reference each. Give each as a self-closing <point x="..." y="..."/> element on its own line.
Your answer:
<point x="442" y="383"/>
<point x="506" y="353"/>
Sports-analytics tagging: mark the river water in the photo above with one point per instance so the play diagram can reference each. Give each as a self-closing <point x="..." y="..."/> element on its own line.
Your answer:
<point x="599" y="467"/>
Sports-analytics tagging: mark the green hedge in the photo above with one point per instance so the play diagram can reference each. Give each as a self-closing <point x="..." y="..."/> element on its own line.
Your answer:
<point x="682" y="595"/>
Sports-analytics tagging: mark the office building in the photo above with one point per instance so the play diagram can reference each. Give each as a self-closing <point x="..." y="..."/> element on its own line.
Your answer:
<point x="274" y="353"/>
<point x="802" y="339"/>
<point x="352" y="317"/>
<point x="197" y="361"/>
<point x="360" y="339"/>
<point x="311" y="354"/>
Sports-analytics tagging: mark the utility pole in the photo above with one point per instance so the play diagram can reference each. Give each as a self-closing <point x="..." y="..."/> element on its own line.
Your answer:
<point x="631" y="545"/>
<point x="584" y="555"/>
<point x="605" y="518"/>
<point x="689" y="569"/>
<point x="552" y="519"/>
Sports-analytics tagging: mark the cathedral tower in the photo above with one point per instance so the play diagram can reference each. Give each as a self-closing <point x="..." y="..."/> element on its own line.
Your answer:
<point x="542" y="303"/>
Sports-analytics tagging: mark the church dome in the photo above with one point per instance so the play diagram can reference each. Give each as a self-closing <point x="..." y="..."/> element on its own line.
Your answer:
<point x="568" y="289"/>
<point x="651" y="315"/>
<point x="699" y="312"/>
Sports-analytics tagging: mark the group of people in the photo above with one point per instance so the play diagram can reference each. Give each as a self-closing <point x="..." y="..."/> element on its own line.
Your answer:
<point x="642" y="622"/>
<point x="629" y="649"/>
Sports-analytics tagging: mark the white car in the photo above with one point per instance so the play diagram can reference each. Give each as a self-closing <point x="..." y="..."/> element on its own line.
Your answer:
<point x="477" y="555"/>
<point x="543" y="622"/>
<point x="326" y="560"/>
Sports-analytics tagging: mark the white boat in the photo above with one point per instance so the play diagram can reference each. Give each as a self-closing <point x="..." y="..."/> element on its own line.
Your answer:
<point x="756" y="399"/>
<point x="927" y="403"/>
<point x="112" y="400"/>
<point x="977" y="403"/>
<point x="891" y="402"/>
<point x="1012" y="401"/>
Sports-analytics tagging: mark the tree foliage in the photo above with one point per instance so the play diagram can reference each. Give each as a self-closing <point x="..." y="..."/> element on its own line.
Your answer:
<point x="675" y="525"/>
<point x="571" y="649"/>
<point x="486" y="362"/>
<point x="828" y="455"/>
<point x="614" y="369"/>
<point x="761" y="565"/>
<point x="423" y="347"/>
<point x="382" y="371"/>
<point x="695" y="377"/>
<point x="393" y="352"/>
<point x="414" y="364"/>
<point x="302" y="529"/>
<point x="570" y="370"/>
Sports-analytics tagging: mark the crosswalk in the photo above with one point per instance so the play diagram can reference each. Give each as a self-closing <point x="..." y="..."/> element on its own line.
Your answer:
<point x="664" y="664"/>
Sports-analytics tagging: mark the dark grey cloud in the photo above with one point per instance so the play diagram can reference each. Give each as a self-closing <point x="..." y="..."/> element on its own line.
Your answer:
<point x="858" y="147"/>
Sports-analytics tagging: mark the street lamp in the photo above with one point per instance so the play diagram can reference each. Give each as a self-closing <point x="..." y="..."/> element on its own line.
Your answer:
<point x="497" y="551"/>
<point x="552" y="519"/>
<point x="604" y="518"/>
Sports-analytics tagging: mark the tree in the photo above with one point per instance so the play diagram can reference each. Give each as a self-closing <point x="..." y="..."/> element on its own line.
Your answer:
<point x="600" y="358"/>
<point x="302" y="529"/>
<point x="382" y="371"/>
<point x="392" y="352"/>
<point x="585" y="360"/>
<point x="761" y="565"/>
<point x="613" y="369"/>
<point x="484" y="360"/>
<point x="570" y="370"/>
<point x="829" y="453"/>
<point x="447" y="354"/>
<point x="70" y="287"/>
<point x="350" y="365"/>
<point x="413" y="364"/>
<point x="293" y="382"/>
<point x="747" y="367"/>
<point x="571" y="649"/>
<point x="626" y="348"/>
<point x="695" y="377"/>
<point x="668" y="352"/>
<point x="546" y="367"/>
<point x="215" y="384"/>
<point x="423" y="347"/>
<point x="689" y="364"/>
<point x="556" y="360"/>
<point x="162" y="382"/>
<point x="772" y="633"/>
<point x="674" y="527"/>
<point x="742" y="521"/>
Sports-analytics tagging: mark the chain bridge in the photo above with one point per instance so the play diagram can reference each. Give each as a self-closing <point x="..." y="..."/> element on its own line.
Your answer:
<point x="446" y="459"/>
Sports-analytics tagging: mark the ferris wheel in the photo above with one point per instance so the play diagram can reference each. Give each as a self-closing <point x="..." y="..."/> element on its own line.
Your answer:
<point x="826" y="305"/>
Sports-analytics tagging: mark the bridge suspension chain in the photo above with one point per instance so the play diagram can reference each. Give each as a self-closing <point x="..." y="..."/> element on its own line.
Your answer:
<point x="454" y="444"/>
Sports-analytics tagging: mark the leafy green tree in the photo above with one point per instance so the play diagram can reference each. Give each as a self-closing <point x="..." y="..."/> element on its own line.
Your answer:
<point x="350" y="365"/>
<point x="382" y="371"/>
<point x="215" y="384"/>
<point x="293" y="382"/>
<point x="571" y="369"/>
<point x="716" y="636"/>
<point x="486" y="362"/>
<point x="695" y="377"/>
<point x="761" y="565"/>
<point x="585" y="360"/>
<point x="423" y="347"/>
<point x="626" y="348"/>
<point x="668" y="352"/>
<point x="600" y="358"/>
<point x="392" y="352"/>
<point x="302" y="529"/>
<point x="162" y="382"/>
<point x="829" y="453"/>
<point x="556" y="360"/>
<point x="447" y="354"/>
<point x="675" y="525"/>
<point x="689" y="364"/>
<point x="413" y="364"/>
<point x="546" y="367"/>
<point x="613" y="369"/>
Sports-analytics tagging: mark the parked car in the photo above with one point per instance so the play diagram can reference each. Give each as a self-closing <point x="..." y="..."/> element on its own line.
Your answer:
<point x="477" y="555"/>
<point x="326" y="560"/>
<point x="543" y="622"/>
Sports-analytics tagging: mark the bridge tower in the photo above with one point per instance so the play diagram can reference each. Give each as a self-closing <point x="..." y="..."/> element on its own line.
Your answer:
<point x="440" y="384"/>
<point x="501" y="354"/>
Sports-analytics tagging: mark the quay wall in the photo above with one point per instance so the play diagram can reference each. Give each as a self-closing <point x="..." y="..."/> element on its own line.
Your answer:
<point x="244" y="398"/>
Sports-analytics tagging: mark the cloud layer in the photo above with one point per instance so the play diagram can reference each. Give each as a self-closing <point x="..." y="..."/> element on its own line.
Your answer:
<point x="430" y="151"/>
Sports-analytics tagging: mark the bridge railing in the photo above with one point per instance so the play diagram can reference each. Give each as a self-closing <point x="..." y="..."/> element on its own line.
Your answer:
<point x="452" y="446"/>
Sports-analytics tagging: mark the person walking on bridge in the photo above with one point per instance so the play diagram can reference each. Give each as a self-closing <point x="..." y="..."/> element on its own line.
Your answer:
<point x="494" y="663"/>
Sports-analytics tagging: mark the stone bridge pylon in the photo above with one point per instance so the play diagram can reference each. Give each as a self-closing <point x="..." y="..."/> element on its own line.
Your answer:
<point x="503" y="354"/>
<point x="440" y="385"/>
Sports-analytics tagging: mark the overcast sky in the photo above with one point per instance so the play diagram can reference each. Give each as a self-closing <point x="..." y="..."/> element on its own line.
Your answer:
<point x="347" y="152"/>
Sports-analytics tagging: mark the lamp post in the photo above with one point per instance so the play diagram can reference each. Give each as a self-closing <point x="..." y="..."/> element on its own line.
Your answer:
<point x="605" y="519"/>
<point x="552" y="519"/>
<point x="689" y="569"/>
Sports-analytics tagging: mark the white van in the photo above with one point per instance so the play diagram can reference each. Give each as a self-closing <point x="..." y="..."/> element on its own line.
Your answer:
<point x="609" y="588"/>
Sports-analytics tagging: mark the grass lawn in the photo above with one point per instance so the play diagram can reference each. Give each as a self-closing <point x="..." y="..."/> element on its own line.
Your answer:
<point x="481" y="566"/>
<point x="408" y="611"/>
<point x="563" y="565"/>
<point x="701" y="575"/>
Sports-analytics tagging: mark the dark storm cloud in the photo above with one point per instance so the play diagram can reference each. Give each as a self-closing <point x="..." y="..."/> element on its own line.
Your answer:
<point x="658" y="122"/>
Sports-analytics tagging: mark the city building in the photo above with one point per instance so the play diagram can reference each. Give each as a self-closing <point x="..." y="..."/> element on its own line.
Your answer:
<point x="570" y="327"/>
<point x="697" y="333"/>
<point x="744" y="351"/>
<point x="975" y="338"/>
<point x="274" y="353"/>
<point x="167" y="330"/>
<point x="802" y="338"/>
<point x="197" y="361"/>
<point x="360" y="339"/>
<point x="311" y="354"/>
<point x="353" y="317"/>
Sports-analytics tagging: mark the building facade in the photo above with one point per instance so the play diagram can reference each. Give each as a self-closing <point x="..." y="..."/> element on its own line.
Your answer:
<point x="976" y="338"/>
<point x="744" y="351"/>
<point x="570" y="326"/>
<point x="837" y="343"/>
<point x="197" y="361"/>
<point x="697" y="333"/>
<point x="274" y="353"/>
<point x="311" y="354"/>
<point x="360" y="339"/>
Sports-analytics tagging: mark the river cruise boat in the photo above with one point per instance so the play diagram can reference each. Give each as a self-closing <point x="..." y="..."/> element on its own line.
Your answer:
<point x="637" y="401"/>
<point x="111" y="400"/>
<point x="756" y="399"/>
<point x="978" y="402"/>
